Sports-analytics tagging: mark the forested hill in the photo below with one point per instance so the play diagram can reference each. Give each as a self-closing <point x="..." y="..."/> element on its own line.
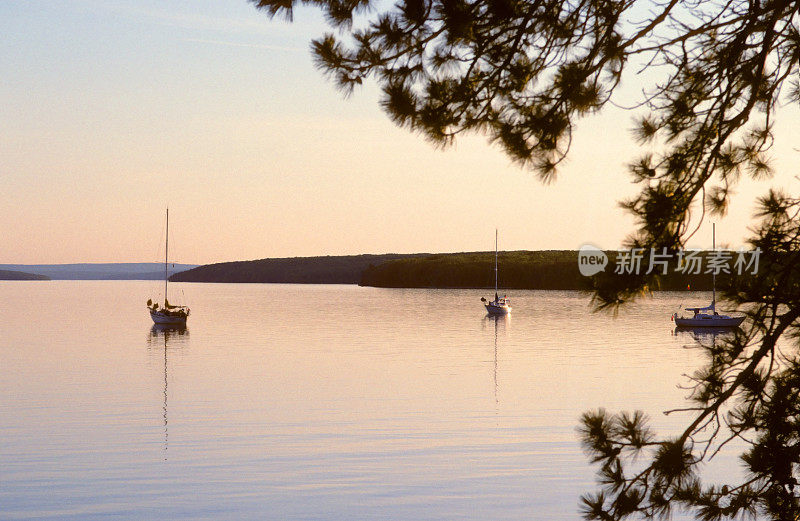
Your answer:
<point x="345" y="269"/>
<point x="20" y="275"/>
<point x="553" y="269"/>
<point x="550" y="269"/>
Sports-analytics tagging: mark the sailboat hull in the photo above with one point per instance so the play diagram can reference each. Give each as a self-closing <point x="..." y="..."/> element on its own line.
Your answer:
<point x="709" y="321"/>
<point x="172" y="319"/>
<point x="497" y="309"/>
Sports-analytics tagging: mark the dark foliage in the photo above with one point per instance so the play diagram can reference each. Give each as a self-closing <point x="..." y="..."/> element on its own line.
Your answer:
<point x="748" y="389"/>
<point x="523" y="72"/>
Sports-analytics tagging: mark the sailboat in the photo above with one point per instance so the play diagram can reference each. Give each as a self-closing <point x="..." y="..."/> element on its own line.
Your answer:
<point x="167" y="314"/>
<point x="708" y="316"/>
<point x="498" y="306"/>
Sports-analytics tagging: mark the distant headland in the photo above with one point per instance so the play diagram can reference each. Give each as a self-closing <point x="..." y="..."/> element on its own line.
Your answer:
<point x="544" y="269"/>
<point x="547" y="269"/>
<point x="343" y="269"/>
<point x="21" y="275"/>
<point x="96" y="271"/>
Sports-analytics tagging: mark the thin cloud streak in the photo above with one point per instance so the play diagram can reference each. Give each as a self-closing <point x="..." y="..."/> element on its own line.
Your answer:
<point x="254" y="22"/>
<point x="163" y="16"/>
<point x="250" y="45"/>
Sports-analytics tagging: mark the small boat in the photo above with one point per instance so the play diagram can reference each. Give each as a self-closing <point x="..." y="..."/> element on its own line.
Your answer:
<point x="498" y="306"/>
<point x="708" y="316"/>
<point x="167" y="314"/>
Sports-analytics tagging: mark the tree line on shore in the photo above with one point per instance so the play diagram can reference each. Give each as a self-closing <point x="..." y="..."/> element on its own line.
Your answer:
<point x="546" y="270"/>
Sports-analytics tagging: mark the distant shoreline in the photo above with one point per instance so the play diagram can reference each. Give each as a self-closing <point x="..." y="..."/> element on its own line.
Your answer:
<point x="536" y="270"/>
<point x="21" y="275"/>
<point x="340" y="269"/>
<point x="97" y="271"/>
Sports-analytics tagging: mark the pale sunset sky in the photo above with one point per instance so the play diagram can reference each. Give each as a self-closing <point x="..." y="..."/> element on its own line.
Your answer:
<point x="112" y="110"/>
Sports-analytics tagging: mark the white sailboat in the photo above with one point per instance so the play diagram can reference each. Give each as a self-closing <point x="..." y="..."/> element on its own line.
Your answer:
<point x="708" y="316"/>
<point x="498" y="306"/>
<point x="167" y="314"/>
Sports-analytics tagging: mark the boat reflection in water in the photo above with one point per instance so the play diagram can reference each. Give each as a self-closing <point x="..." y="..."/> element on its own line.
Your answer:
<point x="706" y="336"/>
<point x="166" y="337"/>
<point x="500" y="323"/>
<point x="704" y="332"/>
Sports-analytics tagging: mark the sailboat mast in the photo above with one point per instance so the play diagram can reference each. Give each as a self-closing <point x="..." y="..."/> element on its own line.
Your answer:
<point x="495" y="260"/>
<point x="714" y="273"/>
<point x="166" y="257"/>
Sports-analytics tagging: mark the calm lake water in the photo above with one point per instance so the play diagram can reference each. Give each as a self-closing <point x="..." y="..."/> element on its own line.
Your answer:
<point x="317" y="402"/>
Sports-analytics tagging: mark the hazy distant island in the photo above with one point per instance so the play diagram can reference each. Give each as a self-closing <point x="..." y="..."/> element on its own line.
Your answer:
<point x="548" y="269"/>
<point x="21" y="275"/>
<point x="99" y="271"/>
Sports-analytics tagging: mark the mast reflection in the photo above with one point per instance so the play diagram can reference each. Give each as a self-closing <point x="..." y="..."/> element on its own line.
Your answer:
<point x="177" y="335"/>
<point x="500" y="322"/>
<point x="704" y="334"/>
